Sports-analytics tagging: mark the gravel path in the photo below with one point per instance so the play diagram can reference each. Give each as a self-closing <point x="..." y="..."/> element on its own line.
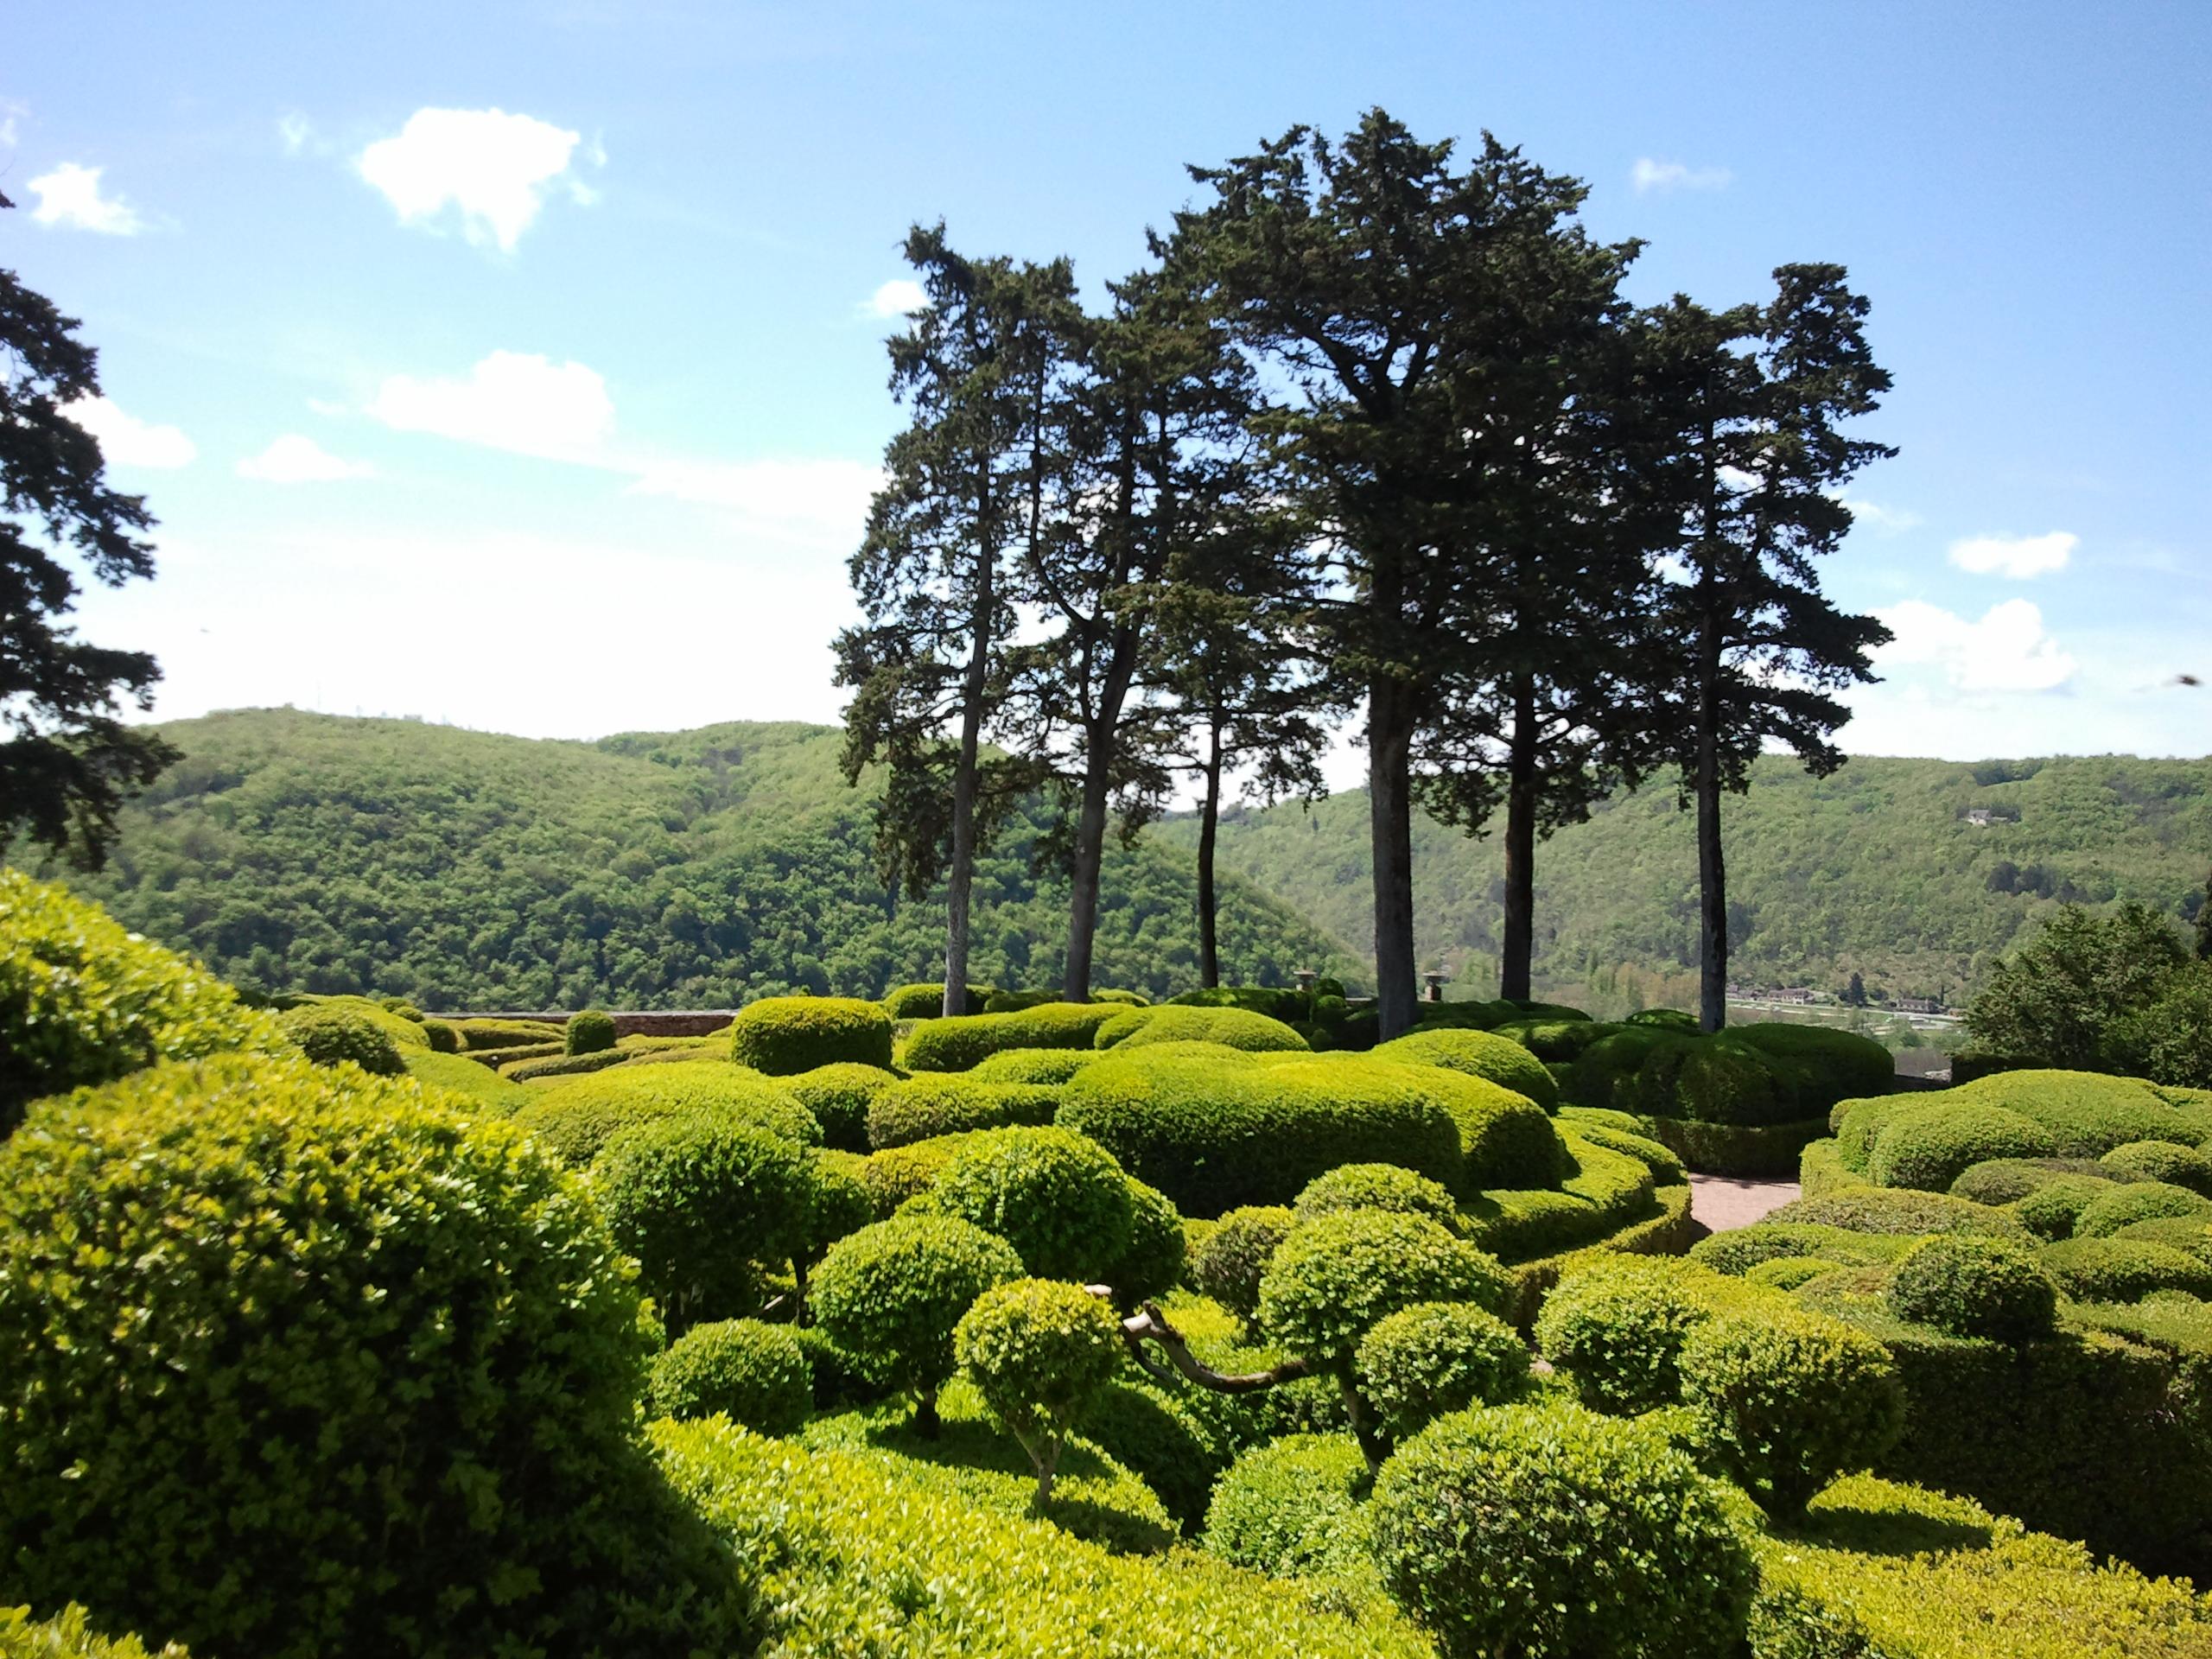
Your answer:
<point x="1722" y="1202"/>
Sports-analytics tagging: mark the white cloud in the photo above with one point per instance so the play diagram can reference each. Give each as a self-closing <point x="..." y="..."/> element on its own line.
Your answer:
<point x="2018" y="556"/>
<point x="126" y="441"/>
<point x="294" y="131"/>
<point x="296" y="459"/>
<point x="70" y="196"/>
<point x="1887" y="521"/>
<point x="493" y="168"/>
<point x="12" y="112"/>
<point x="896" y="298"/>
<point x="2006" y="651"/>
<point x="820" y="501"/>
<point x="510" y="400"/>
<point x="1648" y="174"/>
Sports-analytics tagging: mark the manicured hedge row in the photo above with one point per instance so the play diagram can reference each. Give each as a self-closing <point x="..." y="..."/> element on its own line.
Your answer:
<point x="1757" y="1076"/>
<point x="926" y="1002"/>
<point x="931" y="1104"/>
<point x="959" y="1044"/>
<point x="1601" y="1192"/>
<point x="1766" y="1152"/>
<point x="781" y="1036"/>
<point x="1670" y="1231"/>
<point x="1479" y="1054"/>
<point x="574" y="1119"/>
<point x="1237" y="1028"/>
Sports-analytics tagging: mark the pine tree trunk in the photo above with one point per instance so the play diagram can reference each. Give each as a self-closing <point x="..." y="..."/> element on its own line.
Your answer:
<point x="1517" y="945"/>
<point x="1390" y="785"/>
<point x="1089" y="850"/>
<point x="1208" y="825"/>
<point x="960" y="873"/>
<point x="1712" y="875"/>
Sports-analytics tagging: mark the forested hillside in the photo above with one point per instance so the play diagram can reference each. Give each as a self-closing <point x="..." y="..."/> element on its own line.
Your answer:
<point x="1878" y="869"/>
<point x="700" y="868"/>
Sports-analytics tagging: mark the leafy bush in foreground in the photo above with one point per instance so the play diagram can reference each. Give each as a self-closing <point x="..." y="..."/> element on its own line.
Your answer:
<point x="1059" y="1198"/>
<point x="1296" y="1507"/>
<point x="1976" y="1288"/>
<point x="1038" y="1349"/>
<point x="757" y="1375"/>
<point x="1432" y="1358"/>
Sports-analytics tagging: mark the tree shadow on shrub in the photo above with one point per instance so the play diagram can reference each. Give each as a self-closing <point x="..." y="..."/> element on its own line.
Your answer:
<point x="1891" y="1532"/>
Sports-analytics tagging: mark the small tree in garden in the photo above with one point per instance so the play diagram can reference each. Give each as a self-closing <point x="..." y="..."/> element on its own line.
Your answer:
<point x="1040" y="1351"/>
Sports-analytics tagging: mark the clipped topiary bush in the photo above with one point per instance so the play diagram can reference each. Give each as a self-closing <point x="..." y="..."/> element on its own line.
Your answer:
<point x="1616" y="1326"/>
<point x="1294" y="1507"/>
<point x="705" y="1204"/>
<point x="1151" y="1264"/>
<point x="783" y="1036"/>
<point x="1432" y="1358"/>
<point x="2190" y="1233"/>
<point x="838" y="1202"/>
<point x="2052" y="1210"/>
<point x="2162" y="1160"/>
<point x="591" y="1032"/>
<point x="1873" y="1210"/>
<point x="83" y="1002"/>
<point x="891" y="1293"/>
<point x="1231" y="1259"/>
<point x="926" y="1002"/>
<point x="839" y="1096"/>
<point x="1788" y="1399"/>
<point x="443" y="1037"/>
<point x="1739" y="1250"/>
<point x="375" y="1359"/>
<point x="923" y="1106"/>
<point x="1929" y="1147"/>
<point x="2123" y="1270"/>
<point x="1976" y="1288"/>
<point x="2006" y="1180"/>
<point x="1479" y="1054"/>
<point x="2123" y="1205"/>
<point x="1550" y="1529"/>
<point x="1787" y="1273"/>
<point x="1378" y="1187"/>
<point x="1040" y="1351"/>
<point x="335" y="1036"/>
<point x="1037" y="1066"/>
<point x="960" y="1044"/>
<point x="755" y="1374"/>
<point x="1059" y="1198"/>
<point x="1337" y="1276"/>
<point x="574" y="1119"/>
<point x="1819" y="1063"/>
<point x="1237" y="1028"/>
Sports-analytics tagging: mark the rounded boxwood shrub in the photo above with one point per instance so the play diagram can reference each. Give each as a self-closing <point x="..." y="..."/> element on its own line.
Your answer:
<point x="923" y="1106"/>
<point x="373" y="1359"/>
<point x="443" y="1036"/>
<point x="755" y="1374"/>
<point x="1038" y="1350"/>
<point x="1152" y="1434"/>
<point x="1788" y="1399"/>
<point x="1873" y="1210"/>
<point x="1294" y="1507"/>
<point x="84" y="1002"/>
<point x="2162" y="1160"/>
<point x="1059" y="1198"/>
<point x="1378" y="1187"/>
<point x="591" y="1032"/>
<point x="1229" y="1261"/>
<point x="2085" y="1113"/>
<point x="2006" y="1180"/>
<point x="333" y="1036"/>
<point x="1856" y="1124"/>
<point x="2127" y="1203"/>
<point x="1929" y="1147"/>
<point x="839" y="1096"/>
<point x="2052" y="1210"/>
<point x="1506" y="1140"/>
<point x="2123" y="1270"/>
<point x="891" y="1293"/>
<point x="838" y="1202"/>
<point x="961" y="1043"/>
<point x="898" y="1174"/>
<point x="1432" y="1358"/>
<point x="1976" y="1288"/>
<point x="782" y="1036"/>
<point x="1737" y="1251"/>
<point x="574" y="1119"/>
<point x="1787" y="1273"/>
<point x="926" y="1002"/>
<point x="1151" y="1263"/>
<point x="1237" y="1028"/>
<point x="2190" y="1233"/>
<point x="1819" y="1065"/>
<point x="1479" y="1054"/>
<point x="1337" y="1276"/>
<point x="1037" y="1066"/>
<point x="1550" y="1529"/>
<point x="1616" y="1328"/>
<point x="704" y="1203"/>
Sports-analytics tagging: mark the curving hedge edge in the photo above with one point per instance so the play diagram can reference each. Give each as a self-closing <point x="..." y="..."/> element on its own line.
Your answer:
<point x="1767" y="1153"/>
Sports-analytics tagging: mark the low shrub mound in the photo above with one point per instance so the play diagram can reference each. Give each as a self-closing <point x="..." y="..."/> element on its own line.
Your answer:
<point x="2006" y="1180"/>
<point x="891" y="1294"/>
<point x="1867" y="1210"/>
<point x="1229" y="1261"/>
<point x="1045" y="1065"/>
<point x="83" y="1002"/>
<point x="1431" y="1359"/>
<point x="490" y="1036"/>
<point x="1378" y="1187"/>
<point x="2124" y="1270"/>
<point x="1929" y="1147"/>
<point x="1016" y="1002"/>
<point x="2123" y="1205"/>
<point x="2162" y="1160"/>
<point x="1479" y="1054"/>
<point x="1615" y="1329"/>
<point x="1551" y="1529"/>
<point x="926" y="1002"/>
<point x="1976" y="1288"/>
<point x="1151" y="1264"/>
<point x="2190" y="1233"/>
<point x="336" y="1036"/>
<point x="591" y="1032"/>
<point x="1337" y="1276"/>
<point x="1741" y="1249"/>
<point x="1058" y="1198"/>
<point x="1294" y="1507"/>
<point x="481" y="1088"/>
<point x="782" y="1036"/>
<point x="2052" y="1210"/>
<point x="930" y="1104"/>
<point x="756" y="1375"/>
<point x="963" y="1042"/>
<point x="839" y="1096"/>
<point x="1038" y="1350"/>
<point x="574" y="1119"/>
<point x="1236" y="1028"/>
<point x="375" y="1360"/>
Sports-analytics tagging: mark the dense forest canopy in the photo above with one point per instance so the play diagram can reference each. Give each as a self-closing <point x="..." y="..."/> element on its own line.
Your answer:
<point x="696" y="869"/>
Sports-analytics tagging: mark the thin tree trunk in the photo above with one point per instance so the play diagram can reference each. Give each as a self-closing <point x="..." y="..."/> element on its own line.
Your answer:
<point x="960" y="875"/>
<point x="1712" y="875"/>
<point x="1090" y="851"/>
<point x="1517" y="944"/>
<point x="1390" y="749"/>
<point x="1208" y="827"/>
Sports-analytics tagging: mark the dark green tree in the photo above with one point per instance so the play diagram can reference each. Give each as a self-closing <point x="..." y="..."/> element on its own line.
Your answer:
<point x="1854" y="994"/>
<point x="1746" y="441"/>
<point x="2204" y="924"/>
<point x="1374" y="276"/>
<point x="933" y="663"/>
<point x="66" y="759"/>
<point x="2060" y="999"/>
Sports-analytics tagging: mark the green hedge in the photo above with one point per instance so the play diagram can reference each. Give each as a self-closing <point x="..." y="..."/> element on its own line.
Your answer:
<point x="2124" y="1269"/>
<point x="1058" y="1198"/>
<point x="1213" y="1133"/>
<point x="2007" y="1181"/>
<point x="782" y="1036"/>
<point x="574" y="1119"/>
<point x="1237" y="1028"/>
<point x="1873" y="1210"/>
<point x="1600" y="1193"/>
<point x="839" y="1095"/>
<point x="484" y="1089"/>
<point x="68" y="1635"/>
<point x="1296" y="1507"/>
<point x="562" y="1065"/>
<point x="1047" y="1066"/>
<point x="2124" y="1205"/>
<point x="591" y="1032"/>
<point x="1479" y="1054"/>
<point x="926" y="1002"/>
<point x="931" y="1104"/>
<point x="961" y="1043"/>
<point x="84" y="1002"/>
<point x="2161" y="1160"/>
<point x="1767" y="1153"/>
<point x="480" y="1034"/>
<point x="757" y="1375"/>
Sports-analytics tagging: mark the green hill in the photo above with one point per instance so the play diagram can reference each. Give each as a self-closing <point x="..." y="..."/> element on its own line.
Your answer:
<point x="1878" y="869"/>
<point x="699" y="868"/>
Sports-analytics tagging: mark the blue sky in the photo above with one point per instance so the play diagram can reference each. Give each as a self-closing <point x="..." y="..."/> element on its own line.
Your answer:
<point x="519" y="365"/>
